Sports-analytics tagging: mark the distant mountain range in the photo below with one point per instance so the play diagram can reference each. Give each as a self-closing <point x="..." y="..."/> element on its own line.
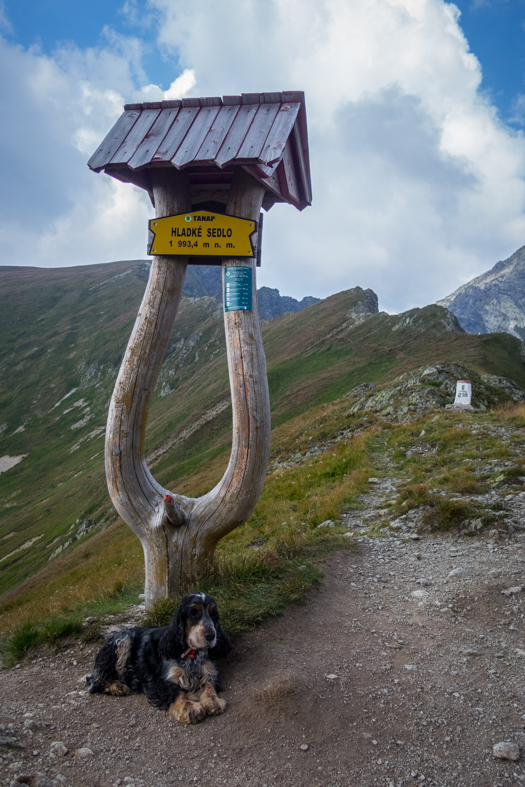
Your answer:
<point x="206" y="280"/>
<point x="494" y="301"/>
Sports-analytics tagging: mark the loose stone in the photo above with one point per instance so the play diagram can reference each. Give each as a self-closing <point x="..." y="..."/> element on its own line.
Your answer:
<point x="458" y="572"/>
<point x="512" y="591"/>
<point x="83" y="752"/>
<point x="506" y="751"/>
<point x="8" y="741"/>
<point x="59" y="747"/>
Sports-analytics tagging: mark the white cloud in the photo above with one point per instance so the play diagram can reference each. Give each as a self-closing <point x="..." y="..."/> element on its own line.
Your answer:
<point x="56" y="110"/>
<point x="116" y="216"/>
<point x="427" y="184"/>
<point x="417" y="184"/>
<point x="135" y="14"/>
<point x="182" y="85"/>
<point x="179" y="88"/>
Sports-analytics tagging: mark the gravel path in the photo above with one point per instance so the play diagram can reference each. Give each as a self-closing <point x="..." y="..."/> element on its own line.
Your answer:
<point x="404" y="667"/>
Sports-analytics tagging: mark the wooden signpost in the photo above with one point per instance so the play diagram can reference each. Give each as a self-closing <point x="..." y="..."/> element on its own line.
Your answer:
<point x="209" y="165"/>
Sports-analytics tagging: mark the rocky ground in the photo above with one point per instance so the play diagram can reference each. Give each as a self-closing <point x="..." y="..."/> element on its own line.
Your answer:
<point x="428" y="388"/>
<point x="404" y="667"/>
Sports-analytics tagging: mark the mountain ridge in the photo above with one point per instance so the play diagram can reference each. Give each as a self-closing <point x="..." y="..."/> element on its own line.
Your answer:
<point x="206" y="281"/>
<point x="493" y="301"/>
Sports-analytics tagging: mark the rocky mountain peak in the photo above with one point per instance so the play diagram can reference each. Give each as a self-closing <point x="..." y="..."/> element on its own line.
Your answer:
<point x="368" y="302"/>
<point x="494" y="301"/>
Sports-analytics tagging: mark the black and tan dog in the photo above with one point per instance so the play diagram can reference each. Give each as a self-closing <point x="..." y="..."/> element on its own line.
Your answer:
<point x="173" y="665"/>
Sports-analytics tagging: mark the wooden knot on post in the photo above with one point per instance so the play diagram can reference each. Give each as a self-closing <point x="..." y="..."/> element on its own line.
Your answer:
<point x="173" y="511"/>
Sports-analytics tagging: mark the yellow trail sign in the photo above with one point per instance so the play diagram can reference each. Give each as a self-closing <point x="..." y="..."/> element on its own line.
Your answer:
<point x="201" y="233"/>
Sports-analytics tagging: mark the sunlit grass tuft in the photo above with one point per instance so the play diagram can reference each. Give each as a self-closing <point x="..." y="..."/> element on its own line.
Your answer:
<point x="513" y="412"/>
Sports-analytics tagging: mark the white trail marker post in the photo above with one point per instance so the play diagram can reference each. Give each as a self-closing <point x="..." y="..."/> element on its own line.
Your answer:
<point x="463" y="392"/>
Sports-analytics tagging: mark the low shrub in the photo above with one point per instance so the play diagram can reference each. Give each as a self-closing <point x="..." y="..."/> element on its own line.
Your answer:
<point x="448" y="514"/>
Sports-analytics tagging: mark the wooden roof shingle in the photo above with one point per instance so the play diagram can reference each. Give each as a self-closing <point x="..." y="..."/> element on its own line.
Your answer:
<point x="265" y="133"/>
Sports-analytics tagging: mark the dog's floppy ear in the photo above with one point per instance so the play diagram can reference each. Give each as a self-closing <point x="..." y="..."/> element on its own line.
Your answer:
<point x="173" y="642"/>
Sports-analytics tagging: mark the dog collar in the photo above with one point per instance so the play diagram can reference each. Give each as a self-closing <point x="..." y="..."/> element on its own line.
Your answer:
<point x="190" y="652"/>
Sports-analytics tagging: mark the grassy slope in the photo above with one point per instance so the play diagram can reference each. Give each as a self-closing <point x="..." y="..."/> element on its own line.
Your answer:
<point x="270" y="561"/>
<point x="67" y="328"/>
<point x="60" y="330"/>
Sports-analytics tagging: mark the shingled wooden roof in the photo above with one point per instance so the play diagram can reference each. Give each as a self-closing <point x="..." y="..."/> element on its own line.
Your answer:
<point x="263" y="132"/>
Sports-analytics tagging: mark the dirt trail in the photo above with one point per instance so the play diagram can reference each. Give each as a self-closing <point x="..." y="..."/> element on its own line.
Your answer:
<point x="392" y="673"/>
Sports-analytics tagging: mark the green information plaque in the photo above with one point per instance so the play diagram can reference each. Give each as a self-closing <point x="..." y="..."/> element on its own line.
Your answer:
<point x="238" y="289"/>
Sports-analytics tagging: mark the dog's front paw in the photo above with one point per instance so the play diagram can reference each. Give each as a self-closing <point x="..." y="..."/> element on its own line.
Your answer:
<point x="186" y="711"/>
<point x="117" y="689"/>
<point x="215" y="706"/>
<point x="212" y="704"/>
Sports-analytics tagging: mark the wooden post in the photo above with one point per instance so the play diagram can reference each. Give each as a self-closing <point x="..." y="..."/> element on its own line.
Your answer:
<point x="179" y="534"/>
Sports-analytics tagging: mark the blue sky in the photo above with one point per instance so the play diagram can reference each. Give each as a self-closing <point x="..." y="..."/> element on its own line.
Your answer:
<point x="416" y="118"/>
<point x="48" y="22"/>
<point x="495" y="30"/>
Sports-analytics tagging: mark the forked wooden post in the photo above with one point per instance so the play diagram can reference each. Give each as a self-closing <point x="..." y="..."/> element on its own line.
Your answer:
<point x="179" y="536"/>
<point x="233" y="156"/>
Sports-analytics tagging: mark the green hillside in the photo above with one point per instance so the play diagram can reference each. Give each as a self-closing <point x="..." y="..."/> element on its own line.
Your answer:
<point x="63" y="333"/>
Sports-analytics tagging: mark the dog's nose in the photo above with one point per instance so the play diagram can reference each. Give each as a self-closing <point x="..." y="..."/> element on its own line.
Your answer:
<point x="209" y="636"/>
